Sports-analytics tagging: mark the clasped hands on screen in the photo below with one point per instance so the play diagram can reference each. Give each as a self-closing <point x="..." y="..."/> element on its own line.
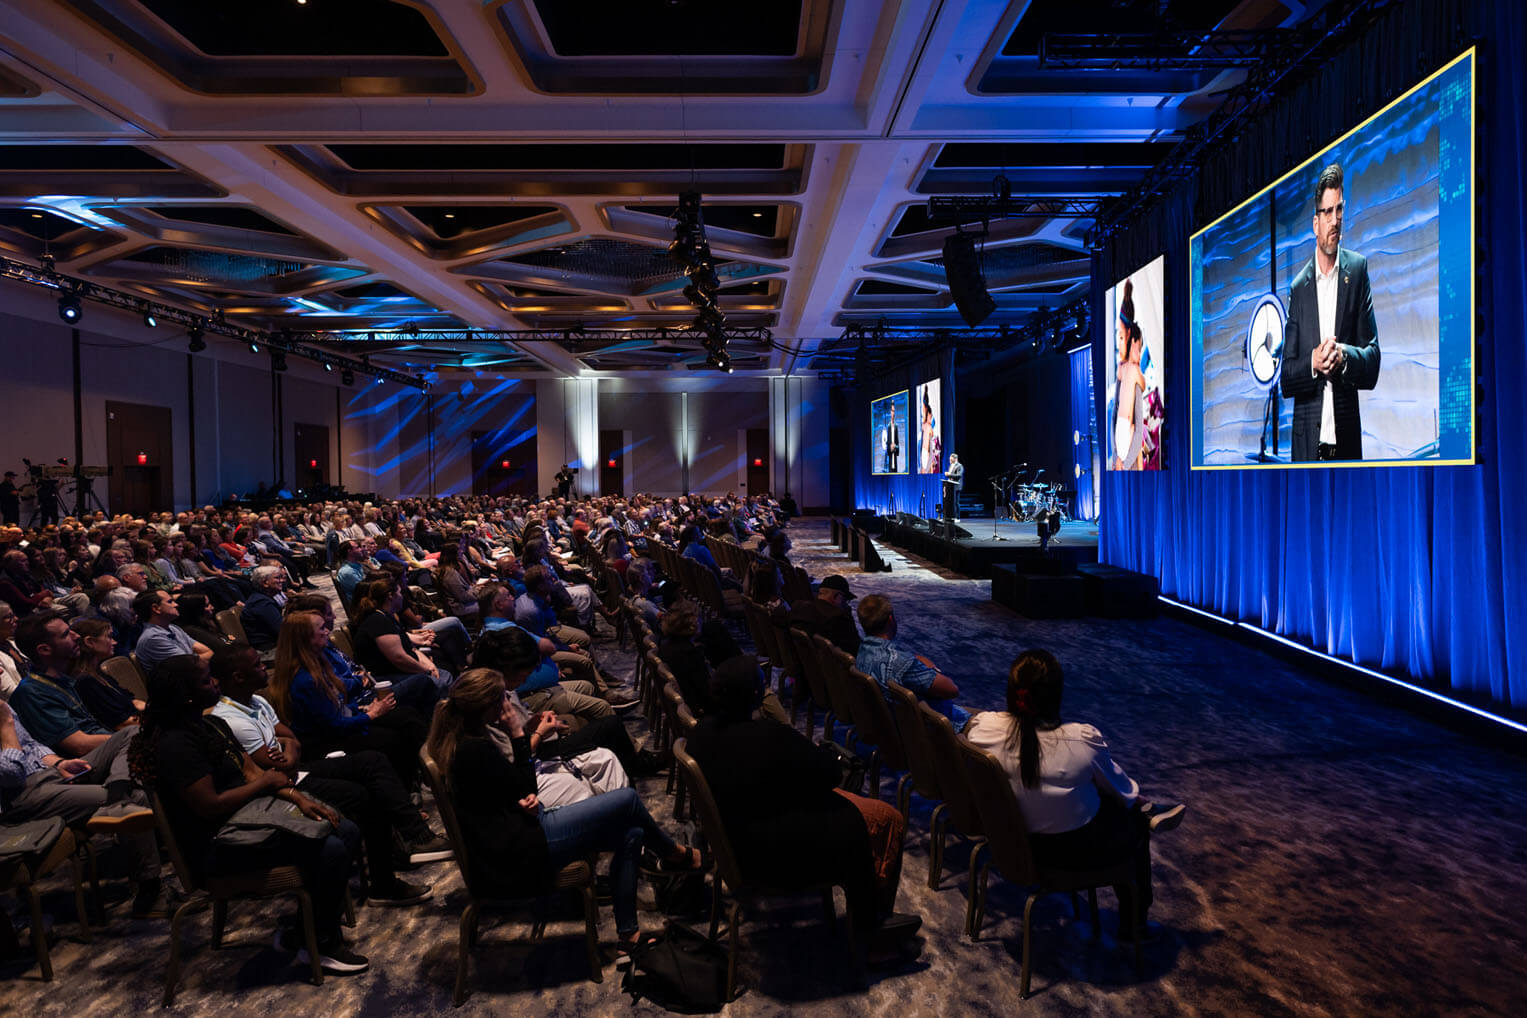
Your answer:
<point x="1328" y="358"/>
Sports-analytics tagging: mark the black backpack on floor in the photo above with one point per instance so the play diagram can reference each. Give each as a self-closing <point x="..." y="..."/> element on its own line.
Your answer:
<point x="682" y="971"/>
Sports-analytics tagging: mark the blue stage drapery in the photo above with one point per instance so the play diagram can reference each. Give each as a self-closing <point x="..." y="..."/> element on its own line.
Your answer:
<point x="1420" y="571"/>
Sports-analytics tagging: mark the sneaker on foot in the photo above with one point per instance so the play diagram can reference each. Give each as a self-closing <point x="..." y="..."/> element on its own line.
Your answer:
<point x="1168" y="818"/>
<point x="433" y="849"/>
<point x="335" y="956"/>
<point x="398" y="892"/>
<point x="621" y="700"/>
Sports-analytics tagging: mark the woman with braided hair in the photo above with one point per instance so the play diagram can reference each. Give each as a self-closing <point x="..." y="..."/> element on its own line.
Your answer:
<point x="203" y="776"/>
<point x="1081" y="809"/>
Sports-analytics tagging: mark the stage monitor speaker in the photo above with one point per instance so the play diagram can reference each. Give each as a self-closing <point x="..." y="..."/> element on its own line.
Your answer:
<point x="962" y="270"/>
<point x="912" y="520"/>
<point x="959" y="533"/>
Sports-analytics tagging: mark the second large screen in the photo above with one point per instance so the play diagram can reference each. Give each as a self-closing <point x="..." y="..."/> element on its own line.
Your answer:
<point x="1136" y="354"/>
<point x="1333" y="312"/>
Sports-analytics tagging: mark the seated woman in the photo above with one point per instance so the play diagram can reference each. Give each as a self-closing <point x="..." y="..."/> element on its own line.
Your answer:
<point x="196" y="619"/>
<point x="203" y="776"/>
<point x="110" y="704"/>
<point x="455" y="581"/>
<point x="1081" y="809"/>
<point x="787" y="819"/>
<point x="691" y="662"/>
<point x="514" y="844"/>
<point x="328" y="713"/>
<point x="384" y="649"/>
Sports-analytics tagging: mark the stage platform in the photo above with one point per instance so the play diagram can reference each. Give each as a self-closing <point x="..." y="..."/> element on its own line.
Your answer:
<point x="976" y="554"/>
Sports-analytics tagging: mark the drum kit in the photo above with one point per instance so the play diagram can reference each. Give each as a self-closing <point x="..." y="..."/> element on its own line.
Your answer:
<point x="1029" y="497"/>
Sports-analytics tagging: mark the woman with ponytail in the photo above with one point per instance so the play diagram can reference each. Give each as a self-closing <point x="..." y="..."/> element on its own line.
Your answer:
<point x="1081" y="809"/>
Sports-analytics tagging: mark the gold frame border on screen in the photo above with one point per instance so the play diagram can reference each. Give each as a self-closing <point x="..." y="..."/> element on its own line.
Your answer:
<point x="1471" y="55"/>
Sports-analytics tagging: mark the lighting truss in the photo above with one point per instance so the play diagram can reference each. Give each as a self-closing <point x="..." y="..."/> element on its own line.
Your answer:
<point x="575" y="337"/>
<point x="962" y="209"/>
<point x="46" y="277"/>
<point x="1297" y="51"/>
<point x="1161" y="51"/>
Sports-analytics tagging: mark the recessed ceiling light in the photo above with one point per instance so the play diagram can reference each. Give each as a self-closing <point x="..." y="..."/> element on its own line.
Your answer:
<point x="450" y="215"/>
<point x="758" y="215"/>
<point x="36" y="215"/>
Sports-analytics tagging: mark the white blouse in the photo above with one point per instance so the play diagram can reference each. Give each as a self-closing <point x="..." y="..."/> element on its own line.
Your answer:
<point x="1075" y="771"/>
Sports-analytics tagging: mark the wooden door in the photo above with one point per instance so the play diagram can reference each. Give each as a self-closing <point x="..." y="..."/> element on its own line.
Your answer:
<point x="311" y="445"/>
<point x="758" y="460"/>
<point x="140" y="455"/>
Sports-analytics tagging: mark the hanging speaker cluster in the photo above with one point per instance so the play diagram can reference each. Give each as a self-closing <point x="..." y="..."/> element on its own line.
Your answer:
<point x="692" y="251"/>
<point x="967" y="284"/>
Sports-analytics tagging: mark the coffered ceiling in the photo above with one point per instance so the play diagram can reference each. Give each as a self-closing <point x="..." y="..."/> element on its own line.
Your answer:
<point x="401" y="172"/>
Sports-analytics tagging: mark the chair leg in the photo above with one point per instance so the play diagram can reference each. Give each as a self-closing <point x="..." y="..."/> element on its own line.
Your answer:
<point x="936" y="847"/>
<point x="1092" y="902"/>
<point x="348" y="919"/>
<point x="1028" y="911"/>
<point x="975" y="904"/>
<point x="310" y="935"/>
<point x="172" y="965"/>
<point x="734" y="920"/>
<point x="39" y="935"/>
<point x="79" y="900"/>
<point x="829" y="908"/>
<point x="904" y="797"/>
<point x="591" y="934"/>
<point x="93" y="869"/>
<point x="219" y="920"/>
<point x="464" y="944"/>
<point x="715" y="905"/>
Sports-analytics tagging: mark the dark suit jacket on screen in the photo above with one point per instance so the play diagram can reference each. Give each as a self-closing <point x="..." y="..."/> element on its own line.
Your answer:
<point x="1357" y="331"/>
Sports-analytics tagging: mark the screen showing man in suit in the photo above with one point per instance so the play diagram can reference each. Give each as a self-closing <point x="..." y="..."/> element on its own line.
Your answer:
<point x="1332" y="313"/>
<point x="890" y="444"/>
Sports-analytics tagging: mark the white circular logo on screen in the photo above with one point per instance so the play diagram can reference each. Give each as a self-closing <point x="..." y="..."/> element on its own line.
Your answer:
<point x="1264" y="340"/>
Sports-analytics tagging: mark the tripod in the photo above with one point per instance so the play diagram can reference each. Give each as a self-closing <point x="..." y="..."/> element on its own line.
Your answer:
<point x="998" y="489"/>
<point x="85" y="496"/>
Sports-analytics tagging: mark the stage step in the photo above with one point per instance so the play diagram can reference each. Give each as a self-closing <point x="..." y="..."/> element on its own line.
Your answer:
<point x="1039" y="595"/>
<point x="1116" y="593"/>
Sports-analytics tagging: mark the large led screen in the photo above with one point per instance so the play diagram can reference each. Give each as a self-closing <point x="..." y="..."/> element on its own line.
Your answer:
<point x="1137" y="359"/>
<point x="1333" y="311"/>
<point x="890" y="444"/>
<point x="928" y="409"/>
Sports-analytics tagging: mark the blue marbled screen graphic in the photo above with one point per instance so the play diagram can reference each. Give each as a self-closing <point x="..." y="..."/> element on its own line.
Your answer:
<point x="1407" y="175"/>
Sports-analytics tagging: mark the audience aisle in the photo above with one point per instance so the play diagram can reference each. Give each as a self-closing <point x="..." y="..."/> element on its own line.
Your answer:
<point x="1340" y="857"/>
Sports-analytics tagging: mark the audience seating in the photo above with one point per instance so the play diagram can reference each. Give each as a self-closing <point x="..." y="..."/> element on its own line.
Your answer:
<point x="577" y="875"/>
<point x="231" y="625"/>
<point x="215" y="892"/>
<point x="21" y="873"/>
<point x="920" y="764"/>
<point x="1007" y="848"/>
<point x="728" y="874"/>
<point x="959" y="805"/>
<point x="816" y="682"/>
<point x="127" y="673"/>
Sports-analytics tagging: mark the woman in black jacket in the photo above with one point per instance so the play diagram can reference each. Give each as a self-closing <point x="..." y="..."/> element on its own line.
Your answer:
<point x="514" y="846"/>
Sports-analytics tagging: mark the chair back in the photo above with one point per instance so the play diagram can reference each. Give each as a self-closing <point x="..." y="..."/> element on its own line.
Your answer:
<point x="704" y="804"/>
<point x="872" y="716"/>
<point x="231" y="625"/>
<point x="811" y="669"/>
<point x="171" y="846"/>
<point x="840" y="693"/>
<point x="914" y="740"/>
<point x="1007" y="835"/>
<point x="342" y="642"/>
<point x="125" y="672"/>
<point x="438" y="788"/>
<point x="949" y="761"/>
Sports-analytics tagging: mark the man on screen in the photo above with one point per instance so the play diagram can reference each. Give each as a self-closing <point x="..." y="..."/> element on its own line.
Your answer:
<point x="1331" y="344"/>
<point x="890" y="441"/>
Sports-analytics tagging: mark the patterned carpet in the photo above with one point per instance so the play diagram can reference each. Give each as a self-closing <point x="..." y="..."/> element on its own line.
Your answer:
<point x="1340" y="857"/>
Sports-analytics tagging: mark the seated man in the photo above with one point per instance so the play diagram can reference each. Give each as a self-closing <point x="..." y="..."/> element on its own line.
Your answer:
<point x="25" y="595"/>
<point x="580" y="695"/>
<point x="883" y="661"/>
<point x="504" y="650"/>
<point x="261" y="615"/>
<point x="361" y="783"/>
<point x="787" y="819"/>
<point x="37" y="783"/>
<point x="161" y="639"/>
<point x="827" y="614"/>
<point x="46" y="701"/>
<point x="351" y="571"/>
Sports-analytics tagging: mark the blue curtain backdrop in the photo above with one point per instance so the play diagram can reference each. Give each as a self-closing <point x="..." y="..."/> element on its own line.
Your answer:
<point x="910" y="492"/>
<point x="1084" y="451"/>
<point x="1420" y="571"/>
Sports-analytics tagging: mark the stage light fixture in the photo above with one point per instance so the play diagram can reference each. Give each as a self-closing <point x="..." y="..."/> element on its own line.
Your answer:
<point x="149" y="320"/>
<point x="198" y="343"/>
<point x="327" y="366"/>
<point x="254" y="347"/>
<point x="69" y="308"/>
<point x="347" y="377"/>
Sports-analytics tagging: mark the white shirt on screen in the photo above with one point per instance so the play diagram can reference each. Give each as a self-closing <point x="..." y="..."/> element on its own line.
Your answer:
<point x="1325" y="299"/>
